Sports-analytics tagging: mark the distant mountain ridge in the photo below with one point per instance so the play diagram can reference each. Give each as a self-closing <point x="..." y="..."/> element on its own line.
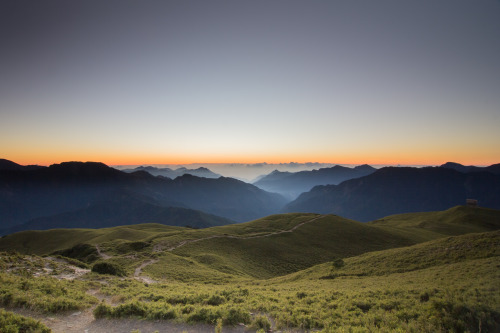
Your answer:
<point x="395" y="190"/>
<point x="9" y="165"/>
<point x="43" y="194"/>
<point x="495" y="168"/>
<point x="292" y="184"/>
<point x="172" y="174"/>
<point x="122" y="210"/>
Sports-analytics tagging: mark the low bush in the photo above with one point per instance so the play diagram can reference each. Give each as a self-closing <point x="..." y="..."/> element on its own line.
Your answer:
<point x="261" y="322"/>
<point x="13" y="323"/>
<point x="82" y="252"/>
<point x="107" y="267"/>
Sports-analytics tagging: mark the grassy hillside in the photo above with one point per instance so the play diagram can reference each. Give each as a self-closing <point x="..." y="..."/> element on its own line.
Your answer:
<point x="439" y="252"/>
<point x="48" y="241"/>
<point x="430" y="225"/>
<point x="323" y="238"/>
<point x="450" y="284"/>
<point x="265" y="248"/>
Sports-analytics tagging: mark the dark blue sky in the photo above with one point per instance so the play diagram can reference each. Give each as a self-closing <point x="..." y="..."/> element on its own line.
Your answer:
<point x="414" y="81"/>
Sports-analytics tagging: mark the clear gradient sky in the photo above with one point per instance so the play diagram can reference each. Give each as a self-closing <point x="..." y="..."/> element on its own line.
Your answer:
<point x="339" y="81"/>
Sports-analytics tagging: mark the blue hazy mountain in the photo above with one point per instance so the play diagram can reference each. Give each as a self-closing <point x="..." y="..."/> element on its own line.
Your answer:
<point x="291" y="184"/>
<point x="495" y="168"/>
<point x="172" y="174"/>
<point x="30" y="194"/>
<point x="394" y="190"/>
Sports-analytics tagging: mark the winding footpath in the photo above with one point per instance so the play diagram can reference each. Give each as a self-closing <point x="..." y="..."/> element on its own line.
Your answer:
<point x="100" y="254"/>
<point x="158" y="247"/>
<point x="138" y="272"/>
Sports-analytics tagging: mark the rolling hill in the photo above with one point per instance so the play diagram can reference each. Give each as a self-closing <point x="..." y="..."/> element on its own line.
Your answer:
<point x="291" y="184"/>
<point x="286" y="272"/>
<point x="394" y="190"/>
<point x="268" y="247"/>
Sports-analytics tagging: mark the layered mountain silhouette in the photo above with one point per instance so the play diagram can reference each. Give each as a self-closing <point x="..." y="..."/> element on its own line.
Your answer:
<point x="495" y="168"/>
<point x="9" y="165"/>
<point x="43" y="195"/>
<point x="395" y="190"/>
<point x="172" y="174"/>
<point x="122" y="209"/>
<point x="291" y="184"/>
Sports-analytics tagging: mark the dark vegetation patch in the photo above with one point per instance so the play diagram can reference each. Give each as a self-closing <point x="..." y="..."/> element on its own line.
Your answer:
<point x="13" y="323"/>
<point x="108" y="267"/>
<point x="83" y="252"/>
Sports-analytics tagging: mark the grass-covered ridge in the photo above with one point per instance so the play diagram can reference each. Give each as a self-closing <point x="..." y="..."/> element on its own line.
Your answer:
<point x="269" y="247"/>
<point x="305" y="271"/>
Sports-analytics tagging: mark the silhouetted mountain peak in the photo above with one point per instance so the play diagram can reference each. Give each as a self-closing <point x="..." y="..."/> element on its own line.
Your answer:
<point x="9" y="165"/>
<point x="495" y="168"/>
<point x="12" y="166"/>
<point x="83" y="171"/>
<point x="451" y="165"/>
<point x="364" y="168"/>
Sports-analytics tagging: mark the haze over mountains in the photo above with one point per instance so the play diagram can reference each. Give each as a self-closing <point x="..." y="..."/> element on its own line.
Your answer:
<point x="93" y="195"/>
<point x="395" y="190"/>
<point x="172" y="174"/>
<point x="95" y="190"/>
<point x="291" y="184"/>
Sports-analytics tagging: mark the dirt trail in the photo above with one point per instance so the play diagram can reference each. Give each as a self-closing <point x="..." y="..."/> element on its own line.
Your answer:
<point x="159" y="247"/>
<point x="138" y="271"/>
<point x="101" y="254"/>
<point x="84" y="322"/>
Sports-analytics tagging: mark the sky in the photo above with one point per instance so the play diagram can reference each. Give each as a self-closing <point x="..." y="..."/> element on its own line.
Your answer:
<point x="177" y="82"/>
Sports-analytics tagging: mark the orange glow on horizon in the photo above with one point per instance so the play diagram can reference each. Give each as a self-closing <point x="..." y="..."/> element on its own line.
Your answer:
<point x="372" y="159"/>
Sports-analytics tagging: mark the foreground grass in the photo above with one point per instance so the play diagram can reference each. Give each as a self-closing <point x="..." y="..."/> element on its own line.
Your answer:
<point x="449" y="284"/>
<point x="20" y="286"/>
<point x="12" y="323"/>
<point x="456" y="297"/>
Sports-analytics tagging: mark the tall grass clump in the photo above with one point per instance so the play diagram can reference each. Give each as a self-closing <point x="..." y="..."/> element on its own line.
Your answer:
<point x="13" y="323"/>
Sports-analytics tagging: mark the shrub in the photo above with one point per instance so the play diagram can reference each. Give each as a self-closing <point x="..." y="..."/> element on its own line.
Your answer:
<point x="131" y="246"/>
<point x="301" y="295"/>
<point x="235" y="316"/>
<point x="162" y="313"/>
<point x="13" y="323"/>
<point x="134" y="309"/>
<point x="218" y="326"/>
<point x="106" y="267"/>
<point x="338" y="263"/>
<point x="83" y="252"/>
<point x="216" y="300"/>
<point x="204" y="315"/>
<point x="102" y="310"/>
<point x="261" y="322"/>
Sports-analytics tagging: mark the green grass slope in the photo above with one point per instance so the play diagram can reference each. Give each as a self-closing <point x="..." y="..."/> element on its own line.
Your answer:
<point x="443" y="251"/>
<point x="431" y="225"/>
<point x="269" y="247"/>
<point x="450" y="284"/>
<point x="323" y="238"/>
<point x="49" y="241"/>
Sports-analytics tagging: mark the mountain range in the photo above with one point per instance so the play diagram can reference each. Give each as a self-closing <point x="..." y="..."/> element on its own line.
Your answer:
<point x="495" y="168"/>
<point x="93" y="195"/>
<point x="394" y="190"/>
<point x="172" y="174"/>
<point x="46" y="196"/>
<point x="292" y="184"/>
